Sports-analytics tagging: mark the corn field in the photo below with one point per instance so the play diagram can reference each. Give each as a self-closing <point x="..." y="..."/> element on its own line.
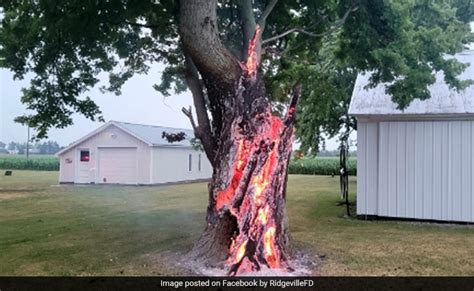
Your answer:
<point x="305" y="166"/>
<point x="35" y="162"/>
<point x="321" y="166"/>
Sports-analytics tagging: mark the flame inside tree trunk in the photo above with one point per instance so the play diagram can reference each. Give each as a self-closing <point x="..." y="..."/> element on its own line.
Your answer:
<point x="247" y="225"/>
<point x="246" y="217"/>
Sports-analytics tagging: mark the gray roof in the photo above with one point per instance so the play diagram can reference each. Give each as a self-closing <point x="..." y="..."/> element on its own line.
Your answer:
<point x="151" y="134"/>
<point x="443" y="101"/>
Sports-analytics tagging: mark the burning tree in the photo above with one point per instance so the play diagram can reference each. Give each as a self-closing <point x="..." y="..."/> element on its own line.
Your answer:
<point x="246" y="217"/>
<point x="234" y="56"/>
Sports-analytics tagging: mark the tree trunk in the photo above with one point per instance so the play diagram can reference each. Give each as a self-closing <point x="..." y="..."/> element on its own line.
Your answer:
<point x="246" y="217"/>
<point x="247" y="224"/>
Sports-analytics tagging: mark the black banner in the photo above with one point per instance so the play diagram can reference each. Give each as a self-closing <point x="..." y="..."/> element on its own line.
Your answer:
<point x="240" y="283"/>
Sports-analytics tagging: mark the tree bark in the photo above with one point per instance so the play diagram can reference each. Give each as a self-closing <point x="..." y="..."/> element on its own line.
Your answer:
<point x="246" y="217"/>
<point x="199" y="33"/>
<point x="247" y="225"/>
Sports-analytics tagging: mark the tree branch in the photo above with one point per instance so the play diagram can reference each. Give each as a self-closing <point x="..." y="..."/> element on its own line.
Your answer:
<point x="248" y="24"/>
<point x="199" y="134"/>
<point x="300" y="30"/>
<point x="335" y="27"/>
<point x="189" y="114"/>
<point x="197" y="90"/>
<point x="144" y="25"/>
<point x="151" y="26"/>
<point x="202" y="130"/>
<point x="291" y="112"/>
<point x="266" y="12"/>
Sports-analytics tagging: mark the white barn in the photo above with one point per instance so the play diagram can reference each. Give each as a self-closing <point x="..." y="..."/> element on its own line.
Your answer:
<point x="417" y="163"/>
<point x="126" y="153"/>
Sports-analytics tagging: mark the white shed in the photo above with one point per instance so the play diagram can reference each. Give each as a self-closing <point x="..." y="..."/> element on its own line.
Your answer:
<point x="417" y="163"/>
<point x="126" y="153"/>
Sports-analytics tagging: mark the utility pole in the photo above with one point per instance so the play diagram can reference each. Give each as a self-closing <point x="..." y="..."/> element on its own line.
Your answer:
<point x="28" y="145"/>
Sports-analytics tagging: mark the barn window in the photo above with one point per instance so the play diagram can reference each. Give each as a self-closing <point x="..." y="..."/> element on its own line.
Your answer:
<point x="190" y="162"/>
<point x="199" y="162"/>
<point x="84" y="156"/>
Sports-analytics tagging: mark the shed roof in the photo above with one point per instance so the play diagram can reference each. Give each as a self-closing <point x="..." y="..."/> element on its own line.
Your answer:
<point x="443" y="101"/>
<point x="149" y="134"/>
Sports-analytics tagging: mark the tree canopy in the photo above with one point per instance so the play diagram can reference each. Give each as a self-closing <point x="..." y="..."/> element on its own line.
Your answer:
<point x="67" y="44"/>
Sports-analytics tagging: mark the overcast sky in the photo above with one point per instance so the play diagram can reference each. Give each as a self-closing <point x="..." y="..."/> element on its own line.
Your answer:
<point x="139" y="103"/>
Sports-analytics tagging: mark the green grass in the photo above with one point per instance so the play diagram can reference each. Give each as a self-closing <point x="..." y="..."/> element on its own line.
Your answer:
<point x="321" y="166"/>
<point x="34" y="162"/>
<point x="112" y="230"/>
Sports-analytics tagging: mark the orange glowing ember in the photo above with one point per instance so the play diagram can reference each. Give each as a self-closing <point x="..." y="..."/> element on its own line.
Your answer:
<point x="240" y="252"/>
<point x="263" y="215"/>
<point x="252" y="59"/>
<point x="270" y="251"/>
<point x="258" y="242"/>
<point x="225" y="197"/>
<point x="250" y="194"/>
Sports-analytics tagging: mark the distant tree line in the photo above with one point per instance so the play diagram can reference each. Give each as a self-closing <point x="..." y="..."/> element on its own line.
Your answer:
<point x="42" y="148"/>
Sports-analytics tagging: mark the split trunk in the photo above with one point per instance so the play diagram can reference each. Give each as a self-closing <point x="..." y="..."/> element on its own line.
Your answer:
<point x="247" y="224"/>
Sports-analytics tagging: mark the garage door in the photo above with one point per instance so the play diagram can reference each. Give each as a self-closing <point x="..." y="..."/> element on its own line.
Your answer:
<point x="118" y="165"/>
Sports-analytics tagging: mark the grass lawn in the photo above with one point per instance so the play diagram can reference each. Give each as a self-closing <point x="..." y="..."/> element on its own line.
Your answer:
<point x="111" y="230"/>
